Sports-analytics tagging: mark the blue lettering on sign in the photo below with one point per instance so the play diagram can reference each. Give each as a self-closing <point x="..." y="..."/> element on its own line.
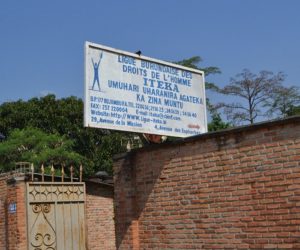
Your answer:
<point x="123" y="86"/>
<point x="182" y="81"/>
<point x="192" y="99"/>
<point x="186" y="74"/>
<point x="134" y="124"/>
<point x="159" y="95"/>
<point x="12" y="207"/>
<point x="126" y="60"/>
<point x="160" y="84"/>
<point x="159" y="67"/>
<point x="134" y="70"/>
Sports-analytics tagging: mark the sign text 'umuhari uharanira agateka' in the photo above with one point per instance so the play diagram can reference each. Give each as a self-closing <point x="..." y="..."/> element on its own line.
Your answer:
<point x="128" y="92"/>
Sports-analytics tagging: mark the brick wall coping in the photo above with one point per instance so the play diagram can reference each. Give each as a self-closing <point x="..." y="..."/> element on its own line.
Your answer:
<point x="108" y="185"/>
<point x="15" y="175"/>
<point x="7" y="175"/>
<point x="217" y="134"/>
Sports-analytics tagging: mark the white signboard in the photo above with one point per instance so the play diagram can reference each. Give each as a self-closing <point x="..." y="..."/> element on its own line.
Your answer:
<point x="125" y="91"/>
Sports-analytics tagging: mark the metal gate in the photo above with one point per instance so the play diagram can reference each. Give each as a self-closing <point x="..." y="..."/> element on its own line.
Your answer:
<point x="56" y="216"/>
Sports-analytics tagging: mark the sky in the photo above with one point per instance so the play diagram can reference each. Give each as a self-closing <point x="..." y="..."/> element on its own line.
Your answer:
<point x="42" y="42"/>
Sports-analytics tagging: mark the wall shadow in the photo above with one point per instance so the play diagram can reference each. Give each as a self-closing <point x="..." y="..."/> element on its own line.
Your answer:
<point x="147" y="178"/>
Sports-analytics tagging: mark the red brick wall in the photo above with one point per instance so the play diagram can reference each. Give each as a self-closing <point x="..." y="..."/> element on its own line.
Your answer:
<point x="236" y="189"/>
<point x="100" y="216"/>
<point x="16" y="221"/>
<point x="12" y="225"/>
<point x="3" y="204"/>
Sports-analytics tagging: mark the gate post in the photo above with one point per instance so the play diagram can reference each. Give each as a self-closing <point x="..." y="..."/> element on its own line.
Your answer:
<point x="16" y="214"/>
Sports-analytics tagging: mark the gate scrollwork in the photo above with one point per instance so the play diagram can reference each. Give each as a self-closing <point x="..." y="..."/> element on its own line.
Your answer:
<point x="44" y="239"/>
<point x="56" y="216"/>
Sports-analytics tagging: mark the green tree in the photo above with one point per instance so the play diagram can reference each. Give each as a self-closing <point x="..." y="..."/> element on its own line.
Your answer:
<point x="283" y="101"/>
<point x="34" y="145"/>
<point x="64" y="117"/>
<point x="216" y="122"/>
<point x="294" y="110"/>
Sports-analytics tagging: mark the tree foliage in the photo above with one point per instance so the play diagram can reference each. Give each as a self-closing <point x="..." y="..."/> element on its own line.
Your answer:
<point x="294" y="110"/>
<point x="64" y="117"/>
<point x="34" y="145"/>
<point x="193" y="63"/>
<point x="283" y="101"/>
<point x="252" y="92"/>
<point x="216" y="122"/>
